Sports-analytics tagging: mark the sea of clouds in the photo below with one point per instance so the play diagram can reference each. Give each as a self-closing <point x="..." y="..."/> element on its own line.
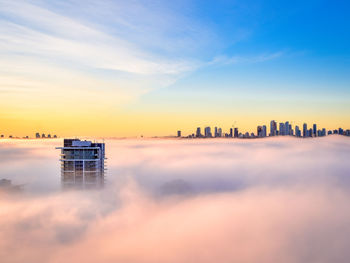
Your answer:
<point x="219" y="200"/>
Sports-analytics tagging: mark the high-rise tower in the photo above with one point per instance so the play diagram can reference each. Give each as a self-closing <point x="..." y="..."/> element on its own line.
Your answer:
<point x="273" y="128"/>
<point x="304" y="130"/>
<point x="82" y="163"/>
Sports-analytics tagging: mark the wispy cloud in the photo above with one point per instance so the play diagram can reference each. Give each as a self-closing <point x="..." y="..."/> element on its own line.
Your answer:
<point x="226" y="60"/>
<point x="110" y="51"/>
<point x="38" y="32"/>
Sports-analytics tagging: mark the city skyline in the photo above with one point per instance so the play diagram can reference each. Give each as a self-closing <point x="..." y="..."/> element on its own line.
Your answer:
<point x="276" y="129"/>
<point x="282" y="128"/>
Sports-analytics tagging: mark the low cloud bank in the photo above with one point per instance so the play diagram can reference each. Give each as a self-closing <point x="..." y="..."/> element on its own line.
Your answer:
<point x="274" y="200"/>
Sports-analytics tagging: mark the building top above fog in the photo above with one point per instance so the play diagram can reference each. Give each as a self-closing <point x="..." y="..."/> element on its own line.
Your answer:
<point x="76" y="143"/>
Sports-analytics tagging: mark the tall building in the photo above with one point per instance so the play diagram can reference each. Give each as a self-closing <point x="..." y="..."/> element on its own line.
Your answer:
<point x="273" y="128"/>
<point x="207" y="132"/>
<point x="236" y="134"/>
<point x="282" y="129"/>
<point x="305" y="130"/>
<point x="216" y="132"/>
<point x="198" y="132"/>
<point x="259" y="131"/>
<point x="219" y="132"/>
<point x="231" y="132"/>
<point x="286" y="128"/>
<point x="314" y="130"/>
<point x="291" y="131"/>
<point x="178" y="133"/>
<point x="82" y="163"/>
<point x="264" y="131"/>
<point x="297" y="131"/>
<point x="37" y="135"/>
<point x="43" y="135"/>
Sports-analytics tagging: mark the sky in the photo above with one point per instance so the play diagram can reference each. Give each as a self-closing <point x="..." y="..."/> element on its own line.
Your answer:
<point x="279" y="199"/>
<point x="131" y="68"/>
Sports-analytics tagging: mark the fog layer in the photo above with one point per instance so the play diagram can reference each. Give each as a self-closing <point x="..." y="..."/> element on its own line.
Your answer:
<point x="265" y="200"/>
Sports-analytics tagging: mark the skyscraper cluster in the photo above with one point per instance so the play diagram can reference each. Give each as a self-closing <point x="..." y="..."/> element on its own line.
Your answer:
<point x="276" y="129"/>
<point x="38" y="136"/>
<point x="217" y="133"/>
<point x="287" y="129"/>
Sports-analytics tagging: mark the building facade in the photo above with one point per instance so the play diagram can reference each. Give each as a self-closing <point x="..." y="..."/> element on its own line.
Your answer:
<point x="82" y="163"/>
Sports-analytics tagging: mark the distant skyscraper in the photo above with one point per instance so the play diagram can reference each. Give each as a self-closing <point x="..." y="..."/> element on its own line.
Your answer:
<point x="198" y="132"/>
<point x="49" y="135"/>
<point x="286" y="128"/>
<point x="304" y="130"/>
<point x="264" y="131"/>
<point x="297" y="131"/>
<point x="273" y="128"/>
<point x="37" y="135"/>
<point x="282" y="129"/>
<point x="324" y="132"/>
<point x="219" y="132"/>
<point x="207" y="132"/>
<point x="314" y="130"/>
<point x="178" y="133"/>
<point x="259" y="131"/>
<point x="310" y="133"/>
<point x="231" y="132"/>
<point x="216" y="131"/>
<point x="43" y="135"/>
<point x="236" y="134"/>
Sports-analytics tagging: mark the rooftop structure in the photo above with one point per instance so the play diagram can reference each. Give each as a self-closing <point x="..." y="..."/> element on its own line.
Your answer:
<point x="82" y="163"/>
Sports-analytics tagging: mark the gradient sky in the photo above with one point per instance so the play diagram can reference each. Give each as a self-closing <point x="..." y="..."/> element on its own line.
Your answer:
<point x="126" y="68"/>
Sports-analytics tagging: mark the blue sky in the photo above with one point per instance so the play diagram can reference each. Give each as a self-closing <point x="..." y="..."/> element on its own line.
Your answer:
<point x="127" y="57"/>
